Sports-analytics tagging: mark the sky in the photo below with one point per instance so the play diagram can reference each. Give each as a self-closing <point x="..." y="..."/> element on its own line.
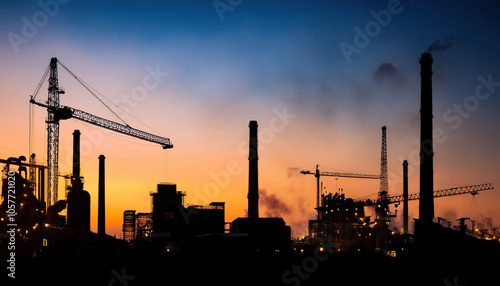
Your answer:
<point x="320" y="77"/>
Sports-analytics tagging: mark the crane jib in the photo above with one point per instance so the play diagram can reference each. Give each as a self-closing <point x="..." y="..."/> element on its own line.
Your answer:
<point x="118" y="127"/>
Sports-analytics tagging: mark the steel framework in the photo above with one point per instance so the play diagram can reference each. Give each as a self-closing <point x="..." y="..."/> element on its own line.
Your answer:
<point x="56" y="112"/>
<point x="444" y="193"/>
<point x="384" y="181"/>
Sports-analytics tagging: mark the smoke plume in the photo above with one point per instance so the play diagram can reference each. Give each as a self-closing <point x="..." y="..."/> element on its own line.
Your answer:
<point x="439" y="45"/>
<point x="274" y="206"/>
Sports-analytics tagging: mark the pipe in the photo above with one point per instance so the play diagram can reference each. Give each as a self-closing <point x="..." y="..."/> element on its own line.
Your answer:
<point x="253" y="172"/>
<point x="101" y="216"/>
<point x="41" y="185"/>
<point x="76" y="153"/>
<point x="317" y="175"/>
<point x="76" y="182"/>
<point x="426" y="204"/>
<point x="405" y="197"/>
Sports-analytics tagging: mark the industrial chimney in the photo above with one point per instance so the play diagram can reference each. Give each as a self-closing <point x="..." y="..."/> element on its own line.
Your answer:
<point x="76" y="181"/>
<point x="405" y="197"/>
<point x="253" y="173"/>
<point x="78" y="199"/>
<point x="101" y="215"/>
<point x="426" y="207"/>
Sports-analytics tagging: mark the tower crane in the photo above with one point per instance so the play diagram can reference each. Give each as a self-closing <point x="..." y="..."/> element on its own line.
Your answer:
<point x="318" y="174"/>
<point x="57" y="112"/>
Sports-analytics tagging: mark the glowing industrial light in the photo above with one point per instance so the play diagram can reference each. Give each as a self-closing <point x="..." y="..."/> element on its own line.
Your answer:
<point x="321" y="249"/>
<point x="46" y="225"/>
<point x="393" y="233"/>
<point x="44" y="243"/>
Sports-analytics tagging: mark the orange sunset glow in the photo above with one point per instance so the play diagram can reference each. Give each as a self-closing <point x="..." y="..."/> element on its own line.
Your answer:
<point x="310" y="87"/>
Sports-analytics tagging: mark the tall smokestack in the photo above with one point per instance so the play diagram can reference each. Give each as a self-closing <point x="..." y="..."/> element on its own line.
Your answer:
<point x="76" y="182"/>
<point x="426" y="207"/>
<point x="405" y="197"/>
<point x="253" y="172"/>
<point x="78" y="213"/>
<point x="101" y="216"/>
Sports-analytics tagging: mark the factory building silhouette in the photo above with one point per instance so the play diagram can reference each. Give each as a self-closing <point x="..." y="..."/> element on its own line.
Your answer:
<point x="203" y="227"/>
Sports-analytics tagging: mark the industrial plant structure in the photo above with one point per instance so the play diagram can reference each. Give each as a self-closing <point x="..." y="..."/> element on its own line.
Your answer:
<point x="184" y="227"/>
<point x="341" y="223"/>
<point x="171" y="221"/>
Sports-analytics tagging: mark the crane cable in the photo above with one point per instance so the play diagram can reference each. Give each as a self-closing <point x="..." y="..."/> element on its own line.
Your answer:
<point x="88" y="87"/>
<point x="93" y="91"/>
<point x="32" y="110"/>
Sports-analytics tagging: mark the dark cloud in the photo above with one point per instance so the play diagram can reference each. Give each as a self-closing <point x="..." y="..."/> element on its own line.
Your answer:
<point x="439" y="45"/>
<point x="387" y="73"/>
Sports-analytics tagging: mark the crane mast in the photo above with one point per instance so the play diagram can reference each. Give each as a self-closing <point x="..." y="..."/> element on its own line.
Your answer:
<point x="56" y="112"/>
<point x="52" y="134"/>
<point x="384" y="181"/>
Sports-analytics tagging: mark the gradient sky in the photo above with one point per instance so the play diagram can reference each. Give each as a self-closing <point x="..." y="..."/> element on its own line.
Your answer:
<point x="258" y="61"/>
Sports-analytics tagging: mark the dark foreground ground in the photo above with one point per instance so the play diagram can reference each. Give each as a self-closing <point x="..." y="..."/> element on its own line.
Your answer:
<point x="365" y="268"/>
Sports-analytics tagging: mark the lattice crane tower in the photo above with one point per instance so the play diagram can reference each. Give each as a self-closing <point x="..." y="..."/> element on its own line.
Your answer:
<point x="384" y="181"/>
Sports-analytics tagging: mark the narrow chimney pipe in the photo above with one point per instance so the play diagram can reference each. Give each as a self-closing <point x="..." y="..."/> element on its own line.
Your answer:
<point x="426" y="204"/>
<point x="76" y="181"/>
<point x="76" y="154"/>
<point x="41" y="185"/>
<point x="405" y="197"/>
<point x="78" y="213"/>
<point x="253" y="172"/>
<point x="101" y="216"/>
